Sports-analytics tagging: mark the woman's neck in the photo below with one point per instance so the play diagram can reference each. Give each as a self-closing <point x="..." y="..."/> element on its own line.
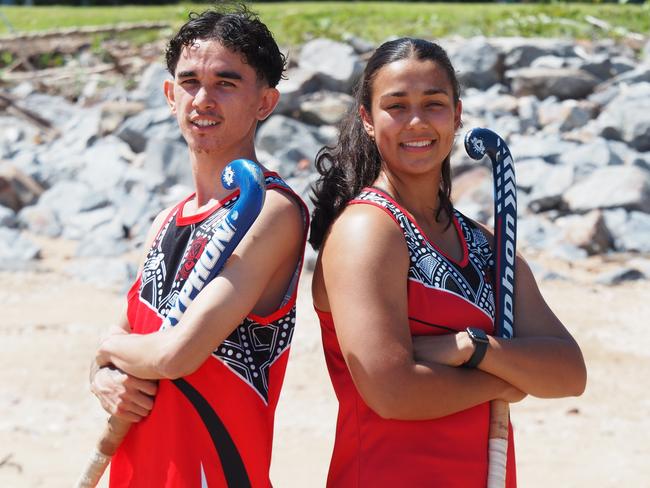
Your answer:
<point x="419" y="195"/>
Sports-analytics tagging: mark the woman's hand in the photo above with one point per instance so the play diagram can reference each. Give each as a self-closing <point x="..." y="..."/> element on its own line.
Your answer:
<point x="447" y="349"/>
<point x="512" y="395"/>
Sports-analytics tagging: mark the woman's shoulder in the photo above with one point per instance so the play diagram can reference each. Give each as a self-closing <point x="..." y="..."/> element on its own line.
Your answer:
<point x="367" y="230"/>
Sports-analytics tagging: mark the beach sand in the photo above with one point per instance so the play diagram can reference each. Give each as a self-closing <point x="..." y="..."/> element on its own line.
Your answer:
<point x="49" y="421"/>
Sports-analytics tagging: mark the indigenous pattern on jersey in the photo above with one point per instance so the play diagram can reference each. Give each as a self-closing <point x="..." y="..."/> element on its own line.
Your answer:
<point x="445" y="295"/>
<point x="214" y="427"/>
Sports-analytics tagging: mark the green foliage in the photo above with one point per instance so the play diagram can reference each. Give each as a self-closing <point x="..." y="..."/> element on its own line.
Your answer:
<point x="6" y="58"/>
<point x="295" y="22"/>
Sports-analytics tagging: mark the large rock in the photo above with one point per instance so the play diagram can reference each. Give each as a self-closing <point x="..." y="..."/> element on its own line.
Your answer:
<point x="40" y="220"/>
<point x="588" y="232"/>
<point x="106" y="240"/>
<point x="289" y="141"/>
<point x="473" y="193"/>
<point x="521" y="52"/>
<point x="545" y="146"/>
<point x="603" y="95"/>
<point x="598" y="65"/>
<point x="530" y="171"/>
<point x="80" y="131"/>
<point x="537" y="232"/>
<point x="111" y="273"/>
<point x="611" y="187"/>
<point x="562" y="83"/>
<point x="17" y="189"/>
<point x="324" y="107"/>
<point x="68" y="198"/>
<point x="16" y="251"/>
<point x="155" y="122"/>
<point x="636" y="75"/>
<point x="55" y="109"/>
<point x="166" y="163"/>
<point x="547" y="192"/>
<point x="565" y="116"/>
<point x="528" y="111"/>
<point x="83" y="223"/>
<point x="627" y="117"/>
<point x="7" y="217"/>
<point x="478" y="64"/>
<point x="630" y="231"/>
<point x="298" y="82"/>
<point x="337" y="65"/>
<point x="595" y="154"/>
<point x="619" y="275"/>
<point x="105" y="164"/>
<point x="115" y="112"/>
<point x="150" y="88"/>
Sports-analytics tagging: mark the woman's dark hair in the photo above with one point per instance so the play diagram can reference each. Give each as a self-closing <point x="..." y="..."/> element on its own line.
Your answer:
<point x="236" y="28"/>
<point x="354" y="162"/>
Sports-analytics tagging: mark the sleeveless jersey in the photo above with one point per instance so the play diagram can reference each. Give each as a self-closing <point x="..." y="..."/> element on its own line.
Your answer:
<point x="214" y="427"/>
<point x="444" y="296"/>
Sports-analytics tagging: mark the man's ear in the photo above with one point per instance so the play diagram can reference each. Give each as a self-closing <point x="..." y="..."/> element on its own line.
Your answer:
<point x="366" y="119"/>
<point x="270" y="99"/>
<point x="168" y="89"/>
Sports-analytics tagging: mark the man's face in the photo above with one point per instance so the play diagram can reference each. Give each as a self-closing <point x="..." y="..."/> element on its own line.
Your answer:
<point x="218" y="99"/>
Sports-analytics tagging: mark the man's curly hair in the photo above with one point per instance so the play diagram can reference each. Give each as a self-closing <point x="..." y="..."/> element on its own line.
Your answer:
<point x="238" y="29"/>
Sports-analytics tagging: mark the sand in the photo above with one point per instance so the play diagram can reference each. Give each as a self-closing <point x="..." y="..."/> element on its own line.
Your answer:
<point x="49" y="420"/>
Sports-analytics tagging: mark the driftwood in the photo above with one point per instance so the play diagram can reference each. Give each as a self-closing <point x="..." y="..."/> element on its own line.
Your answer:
<point x="66" y="40"/>
<point x="54" y="75"/>
<point x="81" y="31"/>
<point x="8" y="104"/>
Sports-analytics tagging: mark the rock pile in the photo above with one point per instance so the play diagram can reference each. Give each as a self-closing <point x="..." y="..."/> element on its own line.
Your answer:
<point x="576" y="117"/>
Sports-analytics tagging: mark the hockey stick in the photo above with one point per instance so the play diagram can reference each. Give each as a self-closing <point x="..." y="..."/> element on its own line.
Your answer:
<point x="478" y="143"/>
<point x="249" y="178"/>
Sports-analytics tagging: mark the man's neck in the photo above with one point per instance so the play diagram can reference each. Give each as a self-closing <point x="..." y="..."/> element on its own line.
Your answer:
<point x="206" y="172"/>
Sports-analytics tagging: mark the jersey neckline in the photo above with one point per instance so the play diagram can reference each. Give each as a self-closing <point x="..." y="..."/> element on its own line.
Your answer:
<point x="459" y="232"/>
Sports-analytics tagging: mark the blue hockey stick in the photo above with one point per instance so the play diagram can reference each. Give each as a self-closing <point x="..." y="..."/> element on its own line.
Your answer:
<point x="480" y="142"/>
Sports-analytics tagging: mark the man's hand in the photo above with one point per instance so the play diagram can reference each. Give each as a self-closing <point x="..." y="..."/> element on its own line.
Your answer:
<point x="123" y="396"/>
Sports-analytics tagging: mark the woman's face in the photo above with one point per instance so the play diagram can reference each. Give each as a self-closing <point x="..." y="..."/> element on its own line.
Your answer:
<point x="413" y="118"/>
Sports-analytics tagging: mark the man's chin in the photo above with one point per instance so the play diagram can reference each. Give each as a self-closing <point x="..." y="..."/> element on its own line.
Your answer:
<point x="203" y="150"/>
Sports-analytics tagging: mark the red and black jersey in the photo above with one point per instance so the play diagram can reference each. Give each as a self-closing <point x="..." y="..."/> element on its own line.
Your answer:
<point x="214" y="427"/>
<point x="444" y="296"/>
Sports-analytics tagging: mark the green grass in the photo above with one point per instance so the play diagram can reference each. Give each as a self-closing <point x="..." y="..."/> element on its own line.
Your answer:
<point x="293" y="23"/>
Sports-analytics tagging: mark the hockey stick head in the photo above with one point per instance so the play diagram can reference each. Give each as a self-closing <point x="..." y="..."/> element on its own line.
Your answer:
<point x="480" y="142"/>
<point x="249" y="178"/>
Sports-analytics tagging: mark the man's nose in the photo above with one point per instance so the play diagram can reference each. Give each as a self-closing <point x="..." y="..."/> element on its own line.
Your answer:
<point x="203" y="99"/>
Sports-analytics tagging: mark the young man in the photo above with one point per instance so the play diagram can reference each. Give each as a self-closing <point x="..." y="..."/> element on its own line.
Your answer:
<point x="222" y="366"/>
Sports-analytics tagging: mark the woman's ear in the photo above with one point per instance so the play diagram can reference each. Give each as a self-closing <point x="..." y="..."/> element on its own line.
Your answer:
<point x="458" y="115"/>
<point x="366" y="119"/>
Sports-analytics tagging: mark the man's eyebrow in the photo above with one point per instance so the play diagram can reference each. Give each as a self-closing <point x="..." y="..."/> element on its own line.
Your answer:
<point x="232" y="75"/>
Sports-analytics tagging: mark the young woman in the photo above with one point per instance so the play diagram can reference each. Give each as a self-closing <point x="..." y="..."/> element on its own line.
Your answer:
<point x="401" y="277"/>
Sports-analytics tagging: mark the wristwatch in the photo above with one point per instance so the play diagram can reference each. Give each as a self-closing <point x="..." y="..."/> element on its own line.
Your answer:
<point x="480" y="340"/>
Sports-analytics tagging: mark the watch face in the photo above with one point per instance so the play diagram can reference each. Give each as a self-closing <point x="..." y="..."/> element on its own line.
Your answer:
<point x="477" y="334"/>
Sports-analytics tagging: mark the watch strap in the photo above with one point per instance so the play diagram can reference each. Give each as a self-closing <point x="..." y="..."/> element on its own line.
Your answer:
<point x="479" y="338"/>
